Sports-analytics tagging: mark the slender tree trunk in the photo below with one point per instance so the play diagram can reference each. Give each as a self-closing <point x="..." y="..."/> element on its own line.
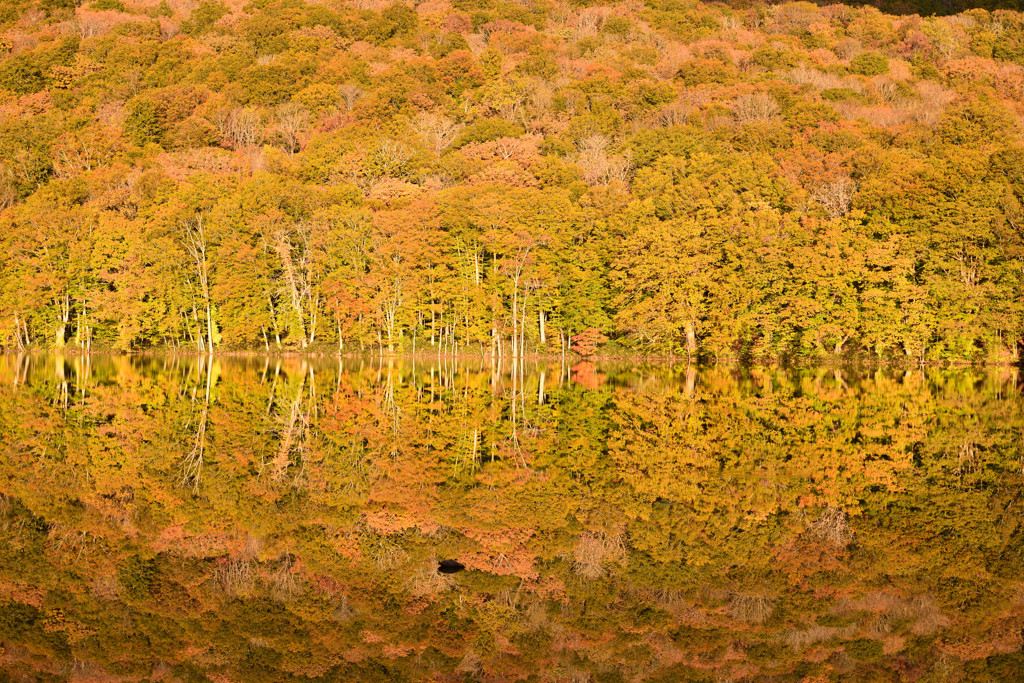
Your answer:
<point x="341" y="340"/>
<point x="209" y="326"/>
<point x="63" y="320"/>
<point x="196" y="245"/>
<point x="199" y="330"/>
<point x="515" y="318"/>
<point x="273" y="319"/>
<point x="314" y="308"/>
<point x="78" y="328"/>
<point x="17" y="333"/>
<point x="522" y="327"/>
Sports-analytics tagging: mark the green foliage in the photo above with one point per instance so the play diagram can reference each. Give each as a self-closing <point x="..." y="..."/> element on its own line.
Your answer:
<point x="144" y="122"/>
<point x="617" y="26"/>
<point x="773" y="58"/>
<point x="21" y="75"/>
<point x="163" y="9"/>
<point x="486" y="130"/>
<point x="704" y="71"/>
<point x="51" y="5"/>
<point x="840" y="94"/>
<point x="973" y="122"/>
<point x="809" y="114"/>
<point x="396" y="20"/>
<point x="137" y="576"/>
<point x="863" y="650"/>
<point x="651" y="95"/>
<point x="539" y="62"/>
<point x="869" y="64"/>
<point x="203" y="17"/>
<point x="267" y="33"/>
<point x="680" y="18"/>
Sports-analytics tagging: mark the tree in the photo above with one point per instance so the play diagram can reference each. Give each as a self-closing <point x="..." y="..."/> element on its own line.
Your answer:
<point x="195" y="241"/>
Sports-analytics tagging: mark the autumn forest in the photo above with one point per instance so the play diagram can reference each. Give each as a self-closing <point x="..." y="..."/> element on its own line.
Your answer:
<point x="511" y="340"/>
<point x="669" y="178"/>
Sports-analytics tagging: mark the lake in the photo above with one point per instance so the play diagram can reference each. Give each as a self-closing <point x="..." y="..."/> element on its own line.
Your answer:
<point x="264" y="519"/>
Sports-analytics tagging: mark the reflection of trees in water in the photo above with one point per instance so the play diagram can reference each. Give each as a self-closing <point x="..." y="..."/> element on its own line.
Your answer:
<point x="710" y="516"/>
<point x="290" y="411"/>
<point x="192" y="461"/>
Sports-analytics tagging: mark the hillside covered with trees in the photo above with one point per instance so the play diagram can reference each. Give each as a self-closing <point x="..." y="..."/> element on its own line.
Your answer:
<point x="758" y="182"/>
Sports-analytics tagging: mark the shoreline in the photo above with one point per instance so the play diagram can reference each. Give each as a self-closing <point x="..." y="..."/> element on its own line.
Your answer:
<point x="572" y="358"/>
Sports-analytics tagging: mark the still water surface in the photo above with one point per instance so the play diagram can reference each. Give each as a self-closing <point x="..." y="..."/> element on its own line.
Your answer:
<point x="179" y="519"/>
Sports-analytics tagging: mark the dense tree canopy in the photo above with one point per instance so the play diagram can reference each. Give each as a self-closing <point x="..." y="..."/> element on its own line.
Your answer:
<point x="711" y="180"/>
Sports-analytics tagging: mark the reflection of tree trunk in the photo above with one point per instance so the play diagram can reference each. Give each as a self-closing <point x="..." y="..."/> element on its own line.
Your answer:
<point x="60" y="374"/>
<point x="293" y="431"/>
<point x="515" y="404"/>
<point x="21" y="369"/>
<point x="83" y="367"/>
<point x="192" y="463"/>
<point x="389" y="406"/>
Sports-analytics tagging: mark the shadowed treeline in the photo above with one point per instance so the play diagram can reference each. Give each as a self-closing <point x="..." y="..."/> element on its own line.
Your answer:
<point x="170" y="518"/>
<point x="936" y="7"/>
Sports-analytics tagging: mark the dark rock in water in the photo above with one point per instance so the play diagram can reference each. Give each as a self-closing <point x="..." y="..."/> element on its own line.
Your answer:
<point x="450" y="566"/>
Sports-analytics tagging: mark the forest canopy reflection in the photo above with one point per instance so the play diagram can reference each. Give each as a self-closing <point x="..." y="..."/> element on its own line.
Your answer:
<point x="168" y="518"/>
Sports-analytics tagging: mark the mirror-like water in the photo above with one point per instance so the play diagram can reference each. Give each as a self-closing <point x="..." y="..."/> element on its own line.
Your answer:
<point x="168" y="518"/>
